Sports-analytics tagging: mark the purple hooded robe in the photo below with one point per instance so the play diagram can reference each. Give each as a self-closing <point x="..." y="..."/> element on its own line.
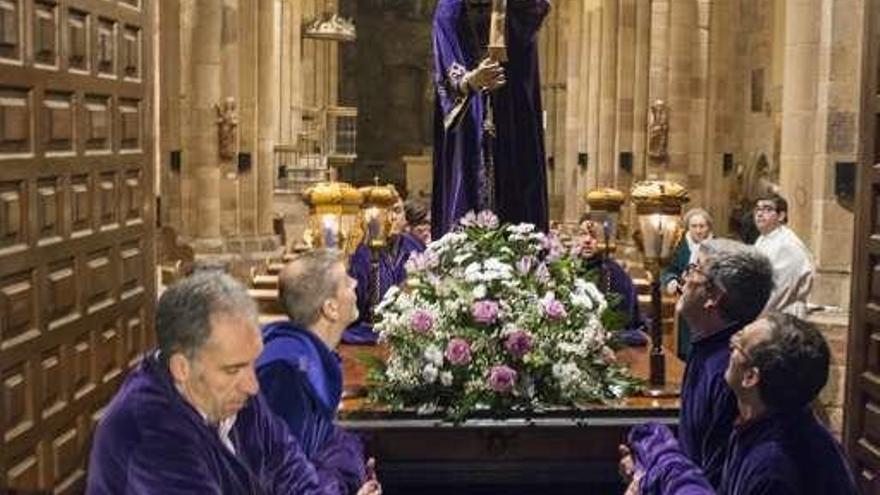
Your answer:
<point x="151" y="440"/>
<point x="392" y="271"/>
<point x="301" y="380"/>
<point x="783" y="453"/>
<point x="520" y="184"/>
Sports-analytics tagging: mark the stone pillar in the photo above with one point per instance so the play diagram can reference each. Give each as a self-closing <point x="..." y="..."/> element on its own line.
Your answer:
<point x="658" y="73"/>
<point x="247" y="125"/>
<point x="170" y="125"/>
<point x="204" y="93"/>
<point x="574" y="108"/>
<point x="698" y="160"/>
<point x="641" y="77"/>
<point x="593" y="96"/>
<point x="802" y="21"/>
<point x="607" y="162"/>
<point x="267" y="110"/>
<point x="626" y="87"/>
<point x="839" y="81"/>
<point x="682" y="28"/>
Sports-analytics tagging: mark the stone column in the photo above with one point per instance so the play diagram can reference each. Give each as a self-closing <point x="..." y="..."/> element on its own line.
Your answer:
<point x="204" y="93"/>
<point x="573" y="109"/>
<point x="837" y="123"/>
<point x="658" y="73"/>
<point x="247" y="126"/>
<point x="594" y="18"/>
<point x="799" y="111"/>
<point x="170" y="125"/>
<point x="698" y="159"/>
<point x="641" y="76"/>
<point x="267" y="110"/>
<point x="682" y="28"/>
<point x="607" y="162"/>
<point x="626" y="87"/>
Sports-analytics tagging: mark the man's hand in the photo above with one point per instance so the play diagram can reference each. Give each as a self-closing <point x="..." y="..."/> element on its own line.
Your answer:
<point x="371" y="487"/>
<point x="371" y="469"/>
<point x="488" y="76"/>
<point x="626" y="466"/>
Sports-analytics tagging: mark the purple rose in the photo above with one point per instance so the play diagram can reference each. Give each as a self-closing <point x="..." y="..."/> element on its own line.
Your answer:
<point x="553" y="308"/>
<point x="485" y="311"/>
<point x="458" y="352"/>
<point x="502" y="378"/>
<point x="421" y="320"/>
<point x="518" y="343"/>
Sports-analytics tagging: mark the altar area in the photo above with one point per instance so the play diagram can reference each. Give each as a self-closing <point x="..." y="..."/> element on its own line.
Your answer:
<point x="560" y="451"/>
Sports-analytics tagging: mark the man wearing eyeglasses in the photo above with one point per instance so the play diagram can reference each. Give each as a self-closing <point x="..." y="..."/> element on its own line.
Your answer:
<point x="778" y="365"/>
<point x="725" y="290"/>
<point x="792" y="262"/>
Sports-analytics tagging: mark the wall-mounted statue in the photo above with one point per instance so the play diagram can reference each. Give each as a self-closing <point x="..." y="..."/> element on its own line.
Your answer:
<point x="227" y="125"/>
<point x="658" y="131"/>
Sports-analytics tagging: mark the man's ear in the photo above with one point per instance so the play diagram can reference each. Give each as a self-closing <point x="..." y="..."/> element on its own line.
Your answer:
<point x="330" y="309"/>
<point x="179" y="367"/>
<point x="713" y="299"/>
<point x="783" y="217"/>
<point x="751" y="377"/>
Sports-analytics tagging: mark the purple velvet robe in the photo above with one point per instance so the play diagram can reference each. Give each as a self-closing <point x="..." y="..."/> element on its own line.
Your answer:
<point x="786" y="453"/>
<point x="520" y="182"/>
<point x="708" y="406"/>
<point x="301" y="380"/>
<point x="612" y="278"/>
<point x="392" y="271"/>
<point x="151" y="440"/>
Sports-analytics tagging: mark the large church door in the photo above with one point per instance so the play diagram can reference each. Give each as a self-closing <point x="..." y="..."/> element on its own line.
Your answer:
<point x="862" y="426"/>
<point x="77" y="282"/>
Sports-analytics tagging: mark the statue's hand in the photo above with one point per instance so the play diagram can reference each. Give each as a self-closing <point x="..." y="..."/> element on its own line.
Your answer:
<point x="488" y="76"/>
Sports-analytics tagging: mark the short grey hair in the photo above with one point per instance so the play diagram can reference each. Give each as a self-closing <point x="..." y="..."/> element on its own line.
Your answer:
<point x="743" y="273"/>
<point x="694" y="212"/>
<point x="185" y="310"/>
<point x="305" y="283"/>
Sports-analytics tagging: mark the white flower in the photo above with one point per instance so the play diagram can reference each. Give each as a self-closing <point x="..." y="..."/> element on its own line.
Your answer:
<point x="567" y="374"/>
<point x="433" y="355"/>
<point x="479" y="292"/>
<point x="446" y="378"/>
<point x="429" y="373"/>
<point x="522" y="228"/>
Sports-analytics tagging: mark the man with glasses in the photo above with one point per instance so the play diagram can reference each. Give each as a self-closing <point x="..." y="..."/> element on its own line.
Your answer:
<point x="792" y="261"/>
<point x="725" y="290"/>
<point x="778" y="365"/>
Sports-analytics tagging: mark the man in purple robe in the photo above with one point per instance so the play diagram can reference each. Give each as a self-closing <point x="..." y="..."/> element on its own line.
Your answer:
<point x="725" y="290"/>
<point x="390" y="270"/>
<point x="488" y="137"/>
<point x="299" y="371"/>
<point x="188" y="419"/>
<point x="778" y="365"/>
<point x="613" y="280"/>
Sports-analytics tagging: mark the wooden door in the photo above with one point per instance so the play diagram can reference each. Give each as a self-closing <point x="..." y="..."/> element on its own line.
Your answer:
<point x="77" y="268"/>
<point x="862" y="418"/>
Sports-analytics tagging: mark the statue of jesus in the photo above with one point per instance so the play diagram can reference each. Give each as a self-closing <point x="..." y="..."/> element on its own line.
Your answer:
<point x="488" y="126"/>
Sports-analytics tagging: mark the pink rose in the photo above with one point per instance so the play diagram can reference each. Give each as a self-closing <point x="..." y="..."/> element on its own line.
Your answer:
<point x="518" y="343"/>
<point x="422" y="321"/>
<point x="553" y="309"/>
<point x="485" y="311"/>
<point x="458" y="352"/>
<point x="502" y="378"/>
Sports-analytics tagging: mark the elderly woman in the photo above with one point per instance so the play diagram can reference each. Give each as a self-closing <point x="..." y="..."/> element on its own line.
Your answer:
<point x="699" y="228"/>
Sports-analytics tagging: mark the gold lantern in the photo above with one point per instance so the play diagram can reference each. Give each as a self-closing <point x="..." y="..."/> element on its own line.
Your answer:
<point x="658" y="208"/>
<point x="605" y="206"/>
<point x="333" y="215"/>
<point x="376" y="215"/>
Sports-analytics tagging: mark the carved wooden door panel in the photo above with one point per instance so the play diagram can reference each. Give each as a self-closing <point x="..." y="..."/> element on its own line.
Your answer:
<point x="862" y="419"/>
<point x="77" y="268"/>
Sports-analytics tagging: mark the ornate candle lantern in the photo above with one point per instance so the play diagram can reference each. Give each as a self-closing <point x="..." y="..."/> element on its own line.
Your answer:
<point x="605" y="206"/>
<point x="333" y="215"/>
<point x="658" y="208"/>
<point x="377" y="223"/>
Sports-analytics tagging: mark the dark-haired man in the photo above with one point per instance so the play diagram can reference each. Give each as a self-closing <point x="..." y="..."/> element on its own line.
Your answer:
<point x="792" y="261"/>
<point x="778" y="365"/>
<point x="725" y="290"/>
<point x="188" y="419"/>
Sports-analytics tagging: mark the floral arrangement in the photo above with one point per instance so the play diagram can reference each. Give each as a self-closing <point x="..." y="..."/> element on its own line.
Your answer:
<point x="496" y="318"/>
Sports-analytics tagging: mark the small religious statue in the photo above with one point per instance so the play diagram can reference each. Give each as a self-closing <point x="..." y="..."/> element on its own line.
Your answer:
<point x="658" y="131"/>
<point x="227" y="123"/>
